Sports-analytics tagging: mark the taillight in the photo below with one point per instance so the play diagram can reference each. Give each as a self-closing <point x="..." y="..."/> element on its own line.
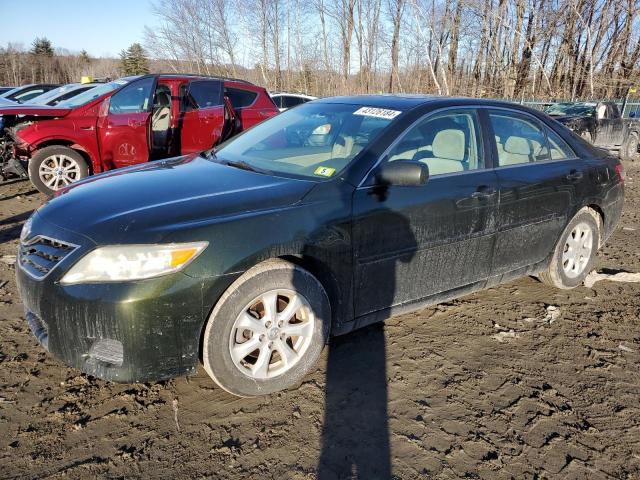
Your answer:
<point x="620" y="172"/>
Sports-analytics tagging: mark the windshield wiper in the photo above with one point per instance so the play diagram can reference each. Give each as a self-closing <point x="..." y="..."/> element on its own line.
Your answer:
<point x="242" y="165"/>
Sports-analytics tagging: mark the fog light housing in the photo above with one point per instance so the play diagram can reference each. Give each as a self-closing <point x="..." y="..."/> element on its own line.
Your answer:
<point x="107" y="350"/>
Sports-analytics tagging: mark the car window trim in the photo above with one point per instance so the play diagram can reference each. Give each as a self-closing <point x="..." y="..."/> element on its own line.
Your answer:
<point x="539" y="122"/>
<point x="413" y="124"/>
<point x="150" y="98"/>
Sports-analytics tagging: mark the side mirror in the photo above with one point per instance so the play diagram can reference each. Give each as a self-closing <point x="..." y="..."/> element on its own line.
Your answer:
<point x="403" y="173"/>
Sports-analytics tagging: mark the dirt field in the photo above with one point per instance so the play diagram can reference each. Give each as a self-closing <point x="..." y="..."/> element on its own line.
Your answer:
<point x="495" y="385"/>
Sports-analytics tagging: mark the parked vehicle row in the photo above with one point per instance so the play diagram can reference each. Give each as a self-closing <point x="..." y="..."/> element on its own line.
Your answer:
<point x="26" y="92"/>
<point x="126" y="122"/>
<point x="284" y="100"/>
<point x="328" y="217"/>
<point x="602" y="124"/>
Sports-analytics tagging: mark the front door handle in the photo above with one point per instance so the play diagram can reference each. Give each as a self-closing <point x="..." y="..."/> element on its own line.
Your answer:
<point x="574" y="175"/>
<point x="484" y="191"/>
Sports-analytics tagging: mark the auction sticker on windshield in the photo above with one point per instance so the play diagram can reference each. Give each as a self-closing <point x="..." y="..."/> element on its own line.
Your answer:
<point x="377" y="112"/>
<point x="324" y="171"/>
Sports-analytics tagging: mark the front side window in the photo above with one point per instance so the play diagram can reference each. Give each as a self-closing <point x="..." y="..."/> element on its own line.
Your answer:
<point x="310" y="141"/>
<point x="240" y="98"/>
<point x="446" y="142"/>
<point x="518" y="138"/>
<point x="134" y="98"/>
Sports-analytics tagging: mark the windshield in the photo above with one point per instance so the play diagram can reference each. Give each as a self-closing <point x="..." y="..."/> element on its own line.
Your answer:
<point x="86" y="97"/>
<point x="314" y="140"/>
<point x="52" y="94"/>
<point x="580" y="109"/>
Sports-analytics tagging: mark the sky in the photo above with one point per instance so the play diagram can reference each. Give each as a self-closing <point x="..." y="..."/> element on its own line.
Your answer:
<point x="101" y="27"/>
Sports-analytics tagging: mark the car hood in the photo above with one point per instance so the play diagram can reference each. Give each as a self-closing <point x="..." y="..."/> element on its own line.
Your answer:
<point x="35" y="110"/>
<point x="147" y="203"/>
<point x="568" y="118"/>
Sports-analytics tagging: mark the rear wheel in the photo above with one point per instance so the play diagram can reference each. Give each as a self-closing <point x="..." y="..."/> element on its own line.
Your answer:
<point x="267" y="331"/>
<point x="631" y="148"/>
<point x="56" y="167"/>
<point x="575" y="252"/>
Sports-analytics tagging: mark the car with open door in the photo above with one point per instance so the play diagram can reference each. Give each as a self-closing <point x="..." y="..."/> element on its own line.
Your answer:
<point x="130" y="121"/>
<point x="326" y="218"/>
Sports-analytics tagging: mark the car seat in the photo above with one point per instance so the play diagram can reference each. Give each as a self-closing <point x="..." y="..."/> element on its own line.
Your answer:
<point x="447" y="152"/>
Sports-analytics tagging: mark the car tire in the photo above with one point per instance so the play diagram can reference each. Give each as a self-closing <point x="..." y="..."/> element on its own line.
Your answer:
<point x="248" y="356"/>
<point x="631" y="148"/>
<point x="575" y="252"/>
<point x="56" y="167"/>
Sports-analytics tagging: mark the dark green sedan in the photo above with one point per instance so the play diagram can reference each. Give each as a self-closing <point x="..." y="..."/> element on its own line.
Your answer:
<point x="331" y="216"/>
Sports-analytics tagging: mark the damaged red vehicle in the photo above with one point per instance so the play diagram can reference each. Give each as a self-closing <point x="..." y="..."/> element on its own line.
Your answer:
<point x="147" y="118"/>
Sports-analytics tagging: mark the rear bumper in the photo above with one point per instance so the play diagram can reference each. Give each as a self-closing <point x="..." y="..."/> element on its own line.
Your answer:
<point x="130" y="332"/>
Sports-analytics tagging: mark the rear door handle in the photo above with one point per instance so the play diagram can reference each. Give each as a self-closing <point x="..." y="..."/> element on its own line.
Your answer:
<point x="574" y="175"/>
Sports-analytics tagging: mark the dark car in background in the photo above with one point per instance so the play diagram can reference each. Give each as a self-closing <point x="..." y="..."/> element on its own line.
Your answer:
<point x="4" y="90"/>
<point x="27" y="92"/>
<point x="129" y="121"/>
<point x="329" y="217"/>
<point x="602" y="124"/>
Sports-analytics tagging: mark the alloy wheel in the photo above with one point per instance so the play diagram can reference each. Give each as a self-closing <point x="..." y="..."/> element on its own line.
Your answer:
<point x="271" y="334"/>
<point x="58" y="171"/>
<point x="577" y="250"/>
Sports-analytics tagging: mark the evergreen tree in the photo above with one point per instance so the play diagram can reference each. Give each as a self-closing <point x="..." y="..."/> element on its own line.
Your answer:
<point x="42" y="47"/>
<point x="84" y="57"/>
<point x="133" y="61"/>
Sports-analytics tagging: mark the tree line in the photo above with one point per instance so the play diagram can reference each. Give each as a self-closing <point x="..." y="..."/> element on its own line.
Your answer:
<point x="493" y="48"/>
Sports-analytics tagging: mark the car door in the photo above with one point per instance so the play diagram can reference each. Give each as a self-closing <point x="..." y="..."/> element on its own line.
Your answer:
<point x="202" y="116"/>
<point x="413" y="242"/>
<point x="540" y="180"/>
<point x="124" y="124"/>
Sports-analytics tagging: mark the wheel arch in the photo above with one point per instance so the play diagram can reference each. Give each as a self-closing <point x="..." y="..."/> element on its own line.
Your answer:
<point x="598" y="213"/>
<point x="62" y="142"/>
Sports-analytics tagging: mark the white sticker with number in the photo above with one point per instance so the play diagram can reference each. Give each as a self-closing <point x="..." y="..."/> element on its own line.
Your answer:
<point x="377" y="112"/>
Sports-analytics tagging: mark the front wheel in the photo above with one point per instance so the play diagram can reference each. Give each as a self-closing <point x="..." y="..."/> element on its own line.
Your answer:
<point x="267" y="330"/>
<point x="56" y="167"/>
<point x="575" y="252"/>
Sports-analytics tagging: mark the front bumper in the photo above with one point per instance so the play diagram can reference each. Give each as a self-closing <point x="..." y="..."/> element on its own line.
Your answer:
<point x="146" y="330"/>
<point x="133" y="332"/>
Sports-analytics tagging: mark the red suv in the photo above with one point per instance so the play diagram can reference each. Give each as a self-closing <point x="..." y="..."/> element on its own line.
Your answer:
<point x="148" y="118"/>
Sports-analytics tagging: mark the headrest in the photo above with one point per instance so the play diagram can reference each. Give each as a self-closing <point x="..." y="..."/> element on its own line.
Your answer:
<point x="518" y="146"/>
<point x="449" y="144"/>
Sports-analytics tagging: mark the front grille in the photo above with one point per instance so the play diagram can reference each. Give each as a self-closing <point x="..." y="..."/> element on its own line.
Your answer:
<point x="39" y="255"/>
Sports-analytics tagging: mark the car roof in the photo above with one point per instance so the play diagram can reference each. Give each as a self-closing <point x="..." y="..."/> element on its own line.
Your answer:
<point x="409" y="101"/>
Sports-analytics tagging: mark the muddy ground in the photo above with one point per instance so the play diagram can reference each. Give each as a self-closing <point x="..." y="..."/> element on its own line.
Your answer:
<point x="493" y="385"/>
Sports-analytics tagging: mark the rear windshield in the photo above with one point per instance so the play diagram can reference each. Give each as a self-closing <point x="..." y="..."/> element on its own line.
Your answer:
<point x="314" y="140"/>
<point x="92" y="94"/>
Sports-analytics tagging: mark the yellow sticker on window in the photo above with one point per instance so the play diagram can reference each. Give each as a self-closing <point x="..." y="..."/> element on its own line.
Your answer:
<point x="325" y="171"/>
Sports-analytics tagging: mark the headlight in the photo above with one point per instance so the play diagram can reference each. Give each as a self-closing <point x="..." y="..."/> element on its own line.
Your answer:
<point x="116" y="263"/>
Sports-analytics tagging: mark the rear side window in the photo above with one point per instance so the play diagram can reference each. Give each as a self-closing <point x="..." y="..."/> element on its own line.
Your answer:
<point x="203" y="94"/>
<point x="241" y="98"/>
<point x="558" y="148"/>
<point x="518" y="138"/>
<point x="133" y="98"/>
<point x="446" y="143"/>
